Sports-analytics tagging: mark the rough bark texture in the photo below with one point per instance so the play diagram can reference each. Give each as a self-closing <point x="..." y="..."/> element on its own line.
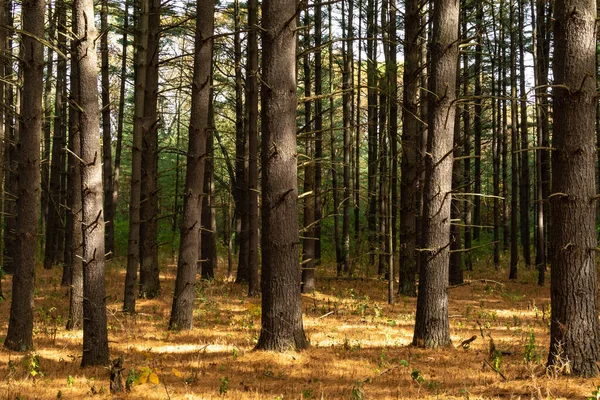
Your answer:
<point x="95" y="335"/>
<point x="208" y="234"/>
<point x="282" y="327"/>
<point x="73" y="262"/>
<point x="574" y="330"/>
<point x="109" y="210"/>
<point x="10" y="156"/>
<point x="308" y="232"/>
<point x="149" y="271"/>
<point x="135" y="194"/>
<point x="431" y="325"/>
<point x="411" y="126"/>
<point x="185" y="284"/>
<point x="252" y="110"/>
<point x="20" y="326"/>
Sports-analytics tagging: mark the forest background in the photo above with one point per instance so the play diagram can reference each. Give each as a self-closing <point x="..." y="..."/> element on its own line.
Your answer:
<point x="422" y="148"/>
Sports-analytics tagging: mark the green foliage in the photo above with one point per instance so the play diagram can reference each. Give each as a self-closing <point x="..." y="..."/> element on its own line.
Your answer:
<point x="417" y="377"/>
<point x="224" y="387"/>
<point x="32" y="363"/>
<point x="307" y="393"/>
<point x="595" y="394"/>
<point x="70" y="381"/>
<point x="531" y="353"/>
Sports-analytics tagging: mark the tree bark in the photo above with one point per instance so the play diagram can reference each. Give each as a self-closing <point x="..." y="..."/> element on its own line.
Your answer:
<point x="281" y="322"/>
<point x="574" y="329"/>
<point x="411" y="127"/>
<point x="185" y="283"/>
<point x="20" y="325"/>
<point x="252" y="110"/>
<point x="95" y="334"/>
<point x="149" y="270"/>
<point x="107" y="169"/>
<point x="431" y="325"/>
<point x="135" y="193"/>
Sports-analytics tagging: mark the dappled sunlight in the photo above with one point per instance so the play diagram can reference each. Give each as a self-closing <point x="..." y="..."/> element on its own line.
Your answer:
<point x="359" y="343"/>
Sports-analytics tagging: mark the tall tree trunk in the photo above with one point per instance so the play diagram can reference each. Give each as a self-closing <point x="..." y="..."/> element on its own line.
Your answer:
<point x="107" y="169"/>
<point x="95" y="334"/>
<point x="52" y="185"/>
<point x="56" y="213"/>
<point x="241" y="160"/>
<point x="477" y="124"/>
<point x="47" y="122"/>
<point x="135" y="191"/>
<point x="318" y="158"/>
<point x="392" y="78"/>
<point x="542" y="56"/>
<point x="20" y="325"/>
<point x="466" y="186"/>
<point x="149" y="270"/>
<point x="185" y="283"/>
<point x="308" y="240"/>
<point x="411" y="127"/>
<point x="334" y="163"/>
<point x="372" y="128"/>
<point x="431" y="325"/>
<point x="524" y="182"/>
<point x="73" y="271"/>
<point x="208" y="233"/>
<point x="514" y="146"/>
<point x="574" y="329"/>
<point x="456" y="268"/>
<point x="121" y="113"/>
<point x="347" y="88"/>
<point x="10" y="156"/>
<point x="282" y="327"/>
<point x="252" y="110"/>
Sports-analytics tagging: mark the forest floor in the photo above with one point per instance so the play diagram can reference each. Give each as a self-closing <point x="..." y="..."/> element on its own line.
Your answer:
<point x="360" y="345"/>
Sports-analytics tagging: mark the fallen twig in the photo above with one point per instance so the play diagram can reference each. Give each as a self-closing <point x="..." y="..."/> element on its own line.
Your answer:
<point x="495" y="369"/>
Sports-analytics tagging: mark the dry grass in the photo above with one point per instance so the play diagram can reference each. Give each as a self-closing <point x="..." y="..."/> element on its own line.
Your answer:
<point x="360" y="345"/>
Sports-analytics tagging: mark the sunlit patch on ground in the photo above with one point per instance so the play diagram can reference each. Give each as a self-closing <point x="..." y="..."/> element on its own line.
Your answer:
<point x="360" y="345"/>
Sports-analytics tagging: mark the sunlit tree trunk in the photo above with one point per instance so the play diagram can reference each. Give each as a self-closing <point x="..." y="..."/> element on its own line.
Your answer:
<point x="95" y="334"/>
<point x="574" y="329"/>
<point x="281" y="323"/>
<point x="185" y="283"/>
<point x="135" y="190"/>
<point x="20" y="325"/>
<point x="431" y="323"/>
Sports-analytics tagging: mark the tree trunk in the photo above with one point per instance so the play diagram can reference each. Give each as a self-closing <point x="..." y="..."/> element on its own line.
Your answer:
<point x="308" y="240"/>
<point x="109" y="209"/>
<point x="347" y="88"/>
<point x="431" y="325"/>
<point x="95" y="334"/>
<point x="121" y="115"/>
<point x="208" y="233"/>
<point x="514" y="146"/>
<point x="20" y="325"/>
<point x="574" y="330"/>
<point x="185" y="284"/>
<point x="73" y="262"/>
<point x="372" y="129"/>
<point x="241" y="161"/>
<point x="281" y="327"/>
<point x="411" y="127"/>
<point x="149" y="271"/>
<point x="10" y="156"/>
<point x="133" y="248"/>
<point x="524" y="182"/>
<point x="252" y="110"/>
